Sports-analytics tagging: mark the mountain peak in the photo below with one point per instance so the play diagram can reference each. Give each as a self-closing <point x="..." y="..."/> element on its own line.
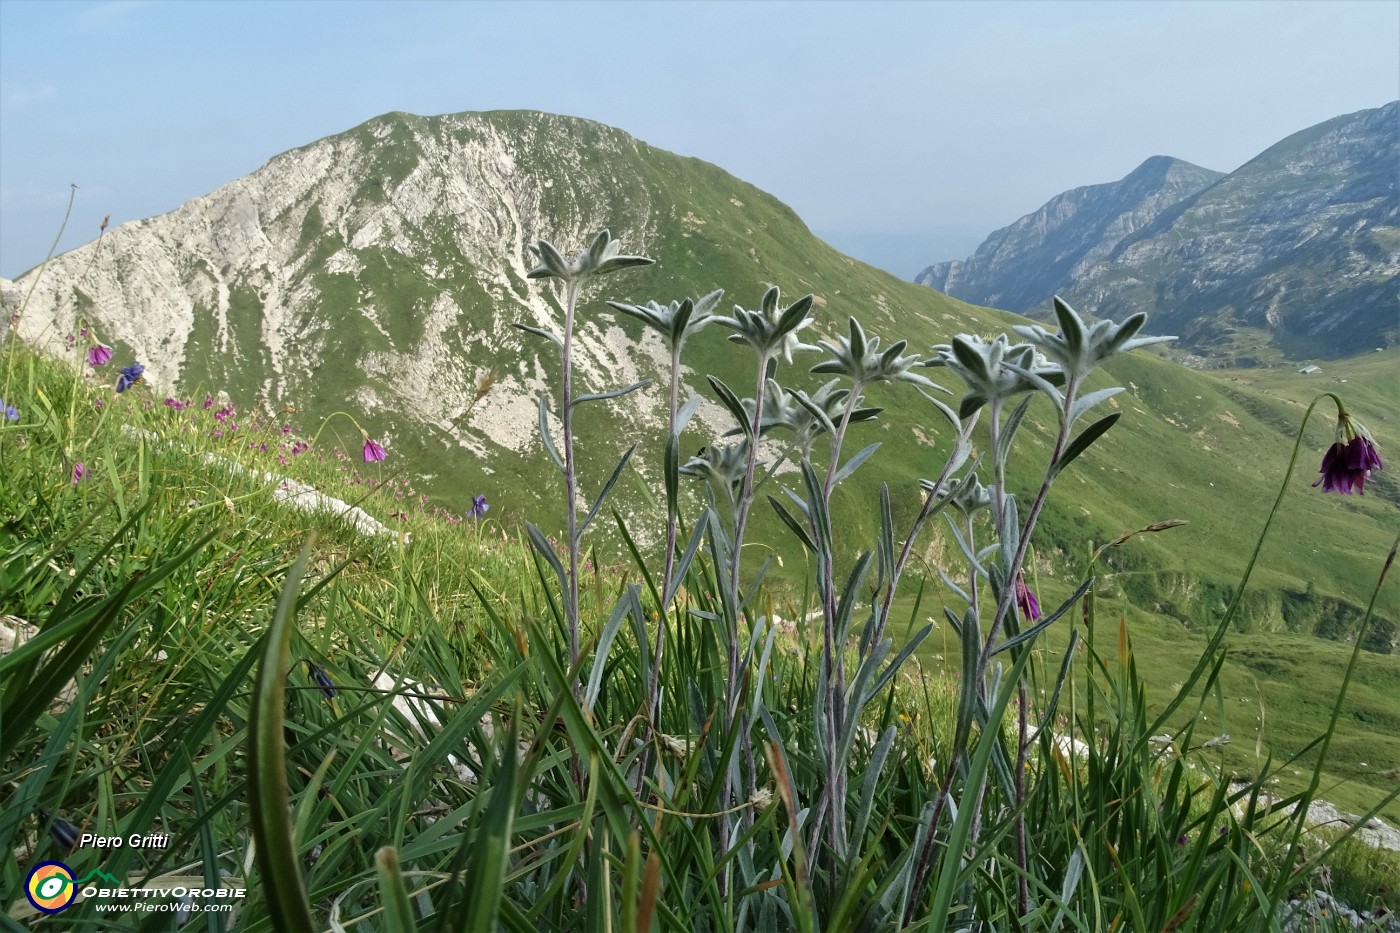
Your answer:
<point x="1294" y="248"/>
<point x="1019" y="267"/>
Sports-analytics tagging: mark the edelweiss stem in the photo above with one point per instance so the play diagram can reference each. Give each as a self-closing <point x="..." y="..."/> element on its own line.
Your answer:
<point x="566" y="415"/>
<point x="833" y="655"/>
<point x="654" y="688"/>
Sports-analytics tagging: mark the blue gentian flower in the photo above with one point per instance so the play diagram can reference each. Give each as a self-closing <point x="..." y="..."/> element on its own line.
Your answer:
<point x="130" y="376"/>
<point x="479" y="506"/>
<point x="323" y="680"/>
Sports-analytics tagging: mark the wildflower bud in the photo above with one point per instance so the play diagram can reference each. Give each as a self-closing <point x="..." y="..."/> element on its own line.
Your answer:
<point x="63" y="833"/>
<point x="1025" y="599"/>
<point x="762" y="798"/>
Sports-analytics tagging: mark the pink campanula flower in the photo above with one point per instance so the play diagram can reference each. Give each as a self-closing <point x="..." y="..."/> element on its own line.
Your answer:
<point x="373" y="452"/>
<point x="99" y="355"/>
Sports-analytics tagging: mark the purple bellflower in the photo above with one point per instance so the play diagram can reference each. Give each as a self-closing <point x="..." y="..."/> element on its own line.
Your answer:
<point x="1026" y="601"/>
<point x="1350" y="459"/>
<point x="373" y="452"/>
<point x="98" y="355"/>
<point x="479" y="506"/>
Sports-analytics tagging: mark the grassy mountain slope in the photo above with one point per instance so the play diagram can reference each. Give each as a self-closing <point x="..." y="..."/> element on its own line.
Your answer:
<point x="377" y="272"/>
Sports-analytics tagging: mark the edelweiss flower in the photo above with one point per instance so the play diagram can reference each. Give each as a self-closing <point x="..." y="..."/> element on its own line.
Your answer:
<point x="602" y="256"/>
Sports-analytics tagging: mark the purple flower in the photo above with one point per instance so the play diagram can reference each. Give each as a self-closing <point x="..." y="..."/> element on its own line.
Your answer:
<point x="130" y="376"/>
<point x="373" y="452"/>
<point x="1350" y="459"/>
<point x="479" y="506"/>
<point x="1026" y="601"/>
<point x="1182" y="840"/>
<point x="79" y="471"/>
<point x="98" y="355"/>
<point x="8" y="412"/>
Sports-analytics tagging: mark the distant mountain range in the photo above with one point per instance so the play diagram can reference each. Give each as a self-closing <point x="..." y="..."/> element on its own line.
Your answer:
<point x="378" y="272"/>
<point x="1297" y="252"/>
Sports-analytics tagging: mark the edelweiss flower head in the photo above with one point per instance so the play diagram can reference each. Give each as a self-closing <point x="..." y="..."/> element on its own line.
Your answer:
<point x="859" y="357"/>
<point x="770" y="329"/>
<point x="722" y="465"/>
<point x="995" y="369"/>
<point x="968" y="497"/>
<point x="676" y="321"/>
<point x="1079" y="347"/>
<point x="602" y="256"/>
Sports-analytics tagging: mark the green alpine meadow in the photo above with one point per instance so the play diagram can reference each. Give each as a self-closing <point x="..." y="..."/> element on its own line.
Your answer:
<point x="491" y="521"/>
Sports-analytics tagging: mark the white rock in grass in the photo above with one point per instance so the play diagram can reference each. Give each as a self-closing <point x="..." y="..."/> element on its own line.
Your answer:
<point x="14" y="632"/>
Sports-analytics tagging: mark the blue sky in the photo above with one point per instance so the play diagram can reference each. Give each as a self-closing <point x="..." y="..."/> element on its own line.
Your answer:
<point x="908" y="130"/>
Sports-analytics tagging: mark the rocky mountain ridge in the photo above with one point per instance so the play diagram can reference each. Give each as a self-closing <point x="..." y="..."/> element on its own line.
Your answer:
<point x="1297" y="252"/>
<point x="1069" y="234"/>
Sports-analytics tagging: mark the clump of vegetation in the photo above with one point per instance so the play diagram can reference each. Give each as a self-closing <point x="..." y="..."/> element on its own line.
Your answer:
<point x="444" y="726"/>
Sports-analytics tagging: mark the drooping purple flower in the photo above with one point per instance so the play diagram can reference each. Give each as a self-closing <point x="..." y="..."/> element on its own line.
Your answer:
<point x="373" y="452"/>
<point x="479" y="506"/>
<point x="1350" y="459"/>
<point x="1026" y="601"/>
<point x="79" y="471"/>
<point x="98" y="355"/>
<point x="130" y="376"/>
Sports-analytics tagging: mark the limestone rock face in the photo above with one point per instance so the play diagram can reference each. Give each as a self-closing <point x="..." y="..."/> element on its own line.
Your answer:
<point x="1300" y="246"/>
<point x="1073" y="231"/>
